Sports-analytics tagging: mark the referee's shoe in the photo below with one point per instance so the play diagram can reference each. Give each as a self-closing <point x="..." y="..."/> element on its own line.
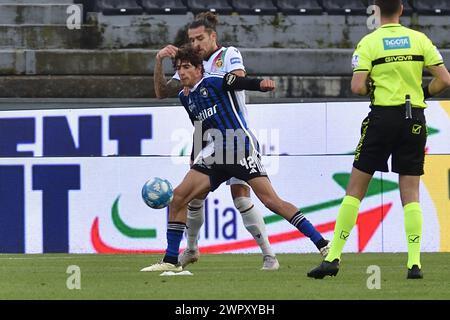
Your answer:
<point x="326" y="268"/>
<point x="414" y="273"/>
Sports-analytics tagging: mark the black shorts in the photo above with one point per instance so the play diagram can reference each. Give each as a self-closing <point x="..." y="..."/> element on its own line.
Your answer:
<point x="246" y="168"/>
<point x="386" y="132"/>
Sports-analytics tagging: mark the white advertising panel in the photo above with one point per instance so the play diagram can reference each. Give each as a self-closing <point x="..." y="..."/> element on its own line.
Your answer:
<point x="70" y="180"/>
<point x="94" y="205"/>
<point x="289" y="129"/>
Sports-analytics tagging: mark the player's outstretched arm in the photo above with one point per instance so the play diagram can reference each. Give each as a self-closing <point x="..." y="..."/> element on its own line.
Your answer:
<point x="233" y="82"/>
<point x="163" y="88"/>
<point x="239" y="72"/>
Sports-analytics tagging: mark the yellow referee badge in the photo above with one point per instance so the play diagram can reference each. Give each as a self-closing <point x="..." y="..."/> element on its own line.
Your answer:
<point x="416" y="129"/>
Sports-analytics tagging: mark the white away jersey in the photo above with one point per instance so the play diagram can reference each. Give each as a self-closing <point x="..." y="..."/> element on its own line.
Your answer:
<point x="224" y="60"/>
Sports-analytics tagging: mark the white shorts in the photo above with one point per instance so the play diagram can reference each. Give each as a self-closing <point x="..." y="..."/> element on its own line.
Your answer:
<point x="236" y="181"/>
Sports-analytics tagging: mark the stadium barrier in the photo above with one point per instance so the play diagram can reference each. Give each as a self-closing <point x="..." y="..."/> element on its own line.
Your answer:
<point x="70" y="179"/>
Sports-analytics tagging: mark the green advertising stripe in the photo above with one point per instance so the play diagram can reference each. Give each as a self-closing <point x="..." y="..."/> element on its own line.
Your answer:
<point x="431" y="131"/>
<point x="306" y="210"/>
<point x="125" y="229"/>
<point x="376" y="187"/>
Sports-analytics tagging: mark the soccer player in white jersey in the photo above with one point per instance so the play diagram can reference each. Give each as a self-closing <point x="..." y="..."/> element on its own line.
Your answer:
<point x="217" y="60"/>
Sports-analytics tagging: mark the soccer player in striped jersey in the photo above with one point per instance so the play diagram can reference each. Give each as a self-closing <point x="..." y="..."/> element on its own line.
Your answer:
<point x="216" y="60"/>
<point x="214" y="109"/>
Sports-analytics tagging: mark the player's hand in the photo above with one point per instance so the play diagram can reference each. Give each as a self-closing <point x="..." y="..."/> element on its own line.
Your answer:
<point x="167" y="52"/>
<point x="267" y="85"/>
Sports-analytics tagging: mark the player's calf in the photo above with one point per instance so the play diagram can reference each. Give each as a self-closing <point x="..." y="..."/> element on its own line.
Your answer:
<point x="254" y="223"/>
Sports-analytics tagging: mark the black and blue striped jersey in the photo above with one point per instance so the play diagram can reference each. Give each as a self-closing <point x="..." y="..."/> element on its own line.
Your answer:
<point x="216" y="106"/>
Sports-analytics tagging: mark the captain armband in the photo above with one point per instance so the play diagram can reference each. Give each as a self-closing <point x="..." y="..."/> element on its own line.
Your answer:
<point x="233" y="82"/>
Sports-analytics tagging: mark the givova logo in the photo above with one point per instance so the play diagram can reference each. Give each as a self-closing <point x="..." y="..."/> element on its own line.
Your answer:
<point x="396" y="43"/>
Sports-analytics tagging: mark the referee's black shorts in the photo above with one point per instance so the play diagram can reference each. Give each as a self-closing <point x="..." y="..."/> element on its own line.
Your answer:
<point x="386" y="132"/>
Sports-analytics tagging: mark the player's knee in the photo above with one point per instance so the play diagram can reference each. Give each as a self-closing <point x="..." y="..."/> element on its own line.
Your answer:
<point x="195" y="207"/>
<point x="243" y="204"/>
<point x="240" y="191"/>
<point x="178" y="198"/>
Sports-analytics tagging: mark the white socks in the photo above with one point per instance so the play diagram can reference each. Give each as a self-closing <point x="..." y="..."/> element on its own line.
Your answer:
<point x="195" y="218"/>
<point x="254" y="223"/>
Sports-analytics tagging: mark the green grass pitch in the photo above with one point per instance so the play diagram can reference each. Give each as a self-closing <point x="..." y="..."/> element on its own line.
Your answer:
<point x="220" y="277"/>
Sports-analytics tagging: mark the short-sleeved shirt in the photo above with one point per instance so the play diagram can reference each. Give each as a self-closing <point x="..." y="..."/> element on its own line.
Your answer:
<point x="221" y="62"/>
<point x="395" y="57"/>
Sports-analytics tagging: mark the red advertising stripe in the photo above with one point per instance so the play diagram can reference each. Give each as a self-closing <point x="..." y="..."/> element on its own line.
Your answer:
<point x="367" y="223"/>
<point x="102" y="247"/>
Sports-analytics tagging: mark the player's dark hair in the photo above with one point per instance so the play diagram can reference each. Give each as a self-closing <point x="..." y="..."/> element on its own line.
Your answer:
<point x="389" y="8"/>
<point x="208" y="19"/>
<point x="187" y="53"/>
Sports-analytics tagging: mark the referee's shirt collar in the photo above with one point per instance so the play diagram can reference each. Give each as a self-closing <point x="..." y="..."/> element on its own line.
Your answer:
<point x="390" y="25"/>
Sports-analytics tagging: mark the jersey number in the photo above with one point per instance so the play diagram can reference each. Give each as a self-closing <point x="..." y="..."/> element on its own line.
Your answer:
<point x="248" y="163"/>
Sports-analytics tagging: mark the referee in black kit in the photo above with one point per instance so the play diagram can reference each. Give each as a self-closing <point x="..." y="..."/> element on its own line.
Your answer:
<point x="388" y="65"/>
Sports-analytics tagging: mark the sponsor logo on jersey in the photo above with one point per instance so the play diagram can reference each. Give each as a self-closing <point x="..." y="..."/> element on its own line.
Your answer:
<point x="204" y="92"/>
<point x="396" y="43"/>
<point x="206" y="113"/>
<point x="398" y="59"/>
<point x="355" y="61"/>
<point x="235" y="60"/>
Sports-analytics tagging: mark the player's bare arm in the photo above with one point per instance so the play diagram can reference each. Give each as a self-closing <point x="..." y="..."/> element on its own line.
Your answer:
<point x="440" y="82"/>
<point x="164" y="88"/>
<point x="239" y="73"/>
<point x="359" y="83"/>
